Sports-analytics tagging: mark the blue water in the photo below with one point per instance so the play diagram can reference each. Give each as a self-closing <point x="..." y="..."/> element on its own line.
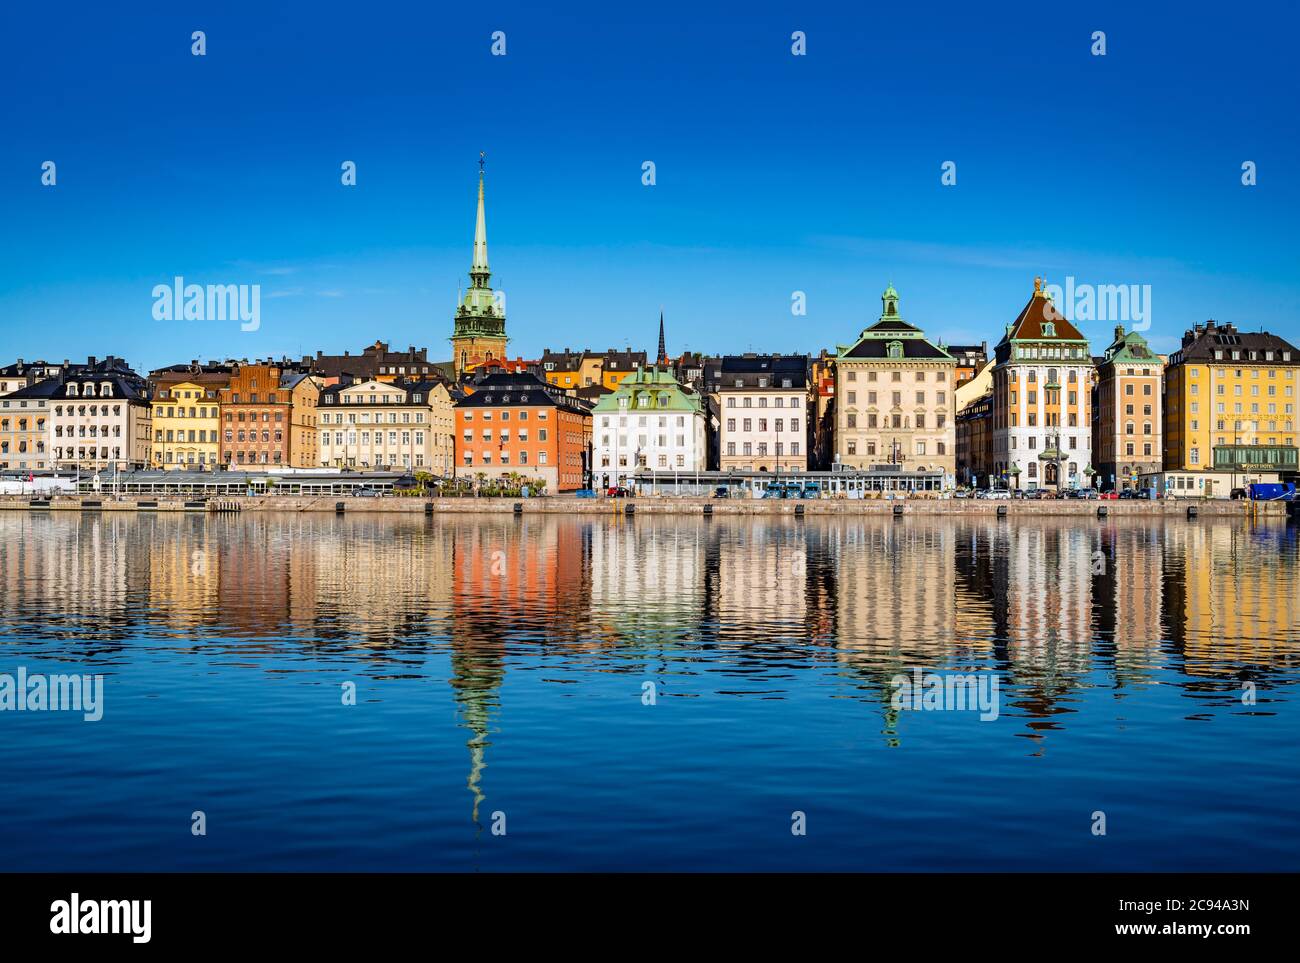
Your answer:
<point x="499" y="668"/>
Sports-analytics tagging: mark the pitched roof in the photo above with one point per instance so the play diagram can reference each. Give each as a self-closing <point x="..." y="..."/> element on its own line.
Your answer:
<point x="46" y="388"/>
<point x="1200" y="343"/>
<point x="749" y="369"/>
<point x="913" y="348"/>
<point x="657" y="386"/>
<point x="502" y="389"/>
<point x="1039" y="320"/>
<point x="329" y="397"/>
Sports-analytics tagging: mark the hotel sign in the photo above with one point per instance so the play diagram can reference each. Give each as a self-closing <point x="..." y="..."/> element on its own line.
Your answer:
<point x="1255" y="457"/>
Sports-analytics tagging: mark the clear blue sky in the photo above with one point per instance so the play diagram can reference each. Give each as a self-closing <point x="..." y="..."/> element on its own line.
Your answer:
<point x="775" y="173"/>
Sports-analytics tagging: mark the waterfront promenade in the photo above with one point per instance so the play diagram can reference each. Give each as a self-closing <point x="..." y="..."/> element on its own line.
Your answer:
<point x="1216" y="508"/>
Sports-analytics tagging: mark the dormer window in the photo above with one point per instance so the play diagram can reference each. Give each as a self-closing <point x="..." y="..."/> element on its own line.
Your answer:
<point x="895" y="349"/>
<point x="1049" y="329"/>
<point x="72" y="389"/>
<point x="106" y="390"/>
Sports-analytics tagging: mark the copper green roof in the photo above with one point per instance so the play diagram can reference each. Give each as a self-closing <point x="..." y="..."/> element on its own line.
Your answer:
<point x="892" y="338"/>
<point x="1130" y="347"/>
<point x="478" y="313"/>
<point x="649" y="389"/>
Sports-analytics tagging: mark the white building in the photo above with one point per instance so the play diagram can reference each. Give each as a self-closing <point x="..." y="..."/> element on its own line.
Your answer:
<point x="764" y="413"/>
<point x="101" y="418"/>
<point x="1042" y="401"/>
<point x="649" y="422"/>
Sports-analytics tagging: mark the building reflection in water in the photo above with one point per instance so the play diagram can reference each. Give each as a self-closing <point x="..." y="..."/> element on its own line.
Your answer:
<point x="1055" y="606"/>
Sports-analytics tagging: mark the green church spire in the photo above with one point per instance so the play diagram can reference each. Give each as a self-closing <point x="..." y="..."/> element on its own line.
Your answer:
<point x="480" y="265"/>
<point x="479" y="313"/>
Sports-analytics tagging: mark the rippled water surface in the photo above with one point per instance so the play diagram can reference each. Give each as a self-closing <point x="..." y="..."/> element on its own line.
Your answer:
<point x="501" y="665"/>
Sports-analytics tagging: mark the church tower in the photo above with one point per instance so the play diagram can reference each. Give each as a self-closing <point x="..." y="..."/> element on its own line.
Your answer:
<point x="480" y="331"/>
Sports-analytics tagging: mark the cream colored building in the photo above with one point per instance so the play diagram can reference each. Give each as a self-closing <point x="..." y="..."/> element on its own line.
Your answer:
<point x="894" y="399"/>
<point x="389" y="425"/>
<point x="102" y="419"/>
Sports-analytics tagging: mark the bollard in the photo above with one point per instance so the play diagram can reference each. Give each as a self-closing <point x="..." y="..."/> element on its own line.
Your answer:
<point x="1102" y="511"/>
<point x="519" y="508"/>
<point x="428" y="508"/>
<point x="1191" y="511"/>
<point x="708" y="509"/>
<point x="798" y="510"/>
<point x="898" y="511"/>
<point x="339" y="508"/>
<point x="630" y="510"/>
<point x="1002" y="511"/>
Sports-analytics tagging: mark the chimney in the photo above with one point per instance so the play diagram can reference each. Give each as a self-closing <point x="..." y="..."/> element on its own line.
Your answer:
<point x="90" y="361"/>
<point x="1211" y="325"/>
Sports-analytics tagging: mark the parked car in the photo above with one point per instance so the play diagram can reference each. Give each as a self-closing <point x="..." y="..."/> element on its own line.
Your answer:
<point x="722" y="491"/>
<point x="961" y="493"/>
<point x="1237" y="493"/>
<point x="997" y="494"/>
<point x="1019" y="493"/>
<point x="365" y="493"/>
<point x="1128" y="494"/>
<point x="618" y="491"/>
<point x="1108" y="495"/>
<point x="585" y="493"/>
<point x="1088" y="494"/>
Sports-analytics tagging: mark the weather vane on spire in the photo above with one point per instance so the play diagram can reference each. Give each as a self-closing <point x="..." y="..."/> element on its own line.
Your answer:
<point x="481" y="157"/>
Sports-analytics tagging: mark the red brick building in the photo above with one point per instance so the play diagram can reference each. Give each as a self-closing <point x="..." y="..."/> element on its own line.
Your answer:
<point x="268" y="417"/>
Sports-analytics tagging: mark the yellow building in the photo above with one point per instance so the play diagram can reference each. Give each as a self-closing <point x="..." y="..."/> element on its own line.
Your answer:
<point x="1230" y="405"/>
<point x="185" y="415"/>
<point x="572" y="370"/>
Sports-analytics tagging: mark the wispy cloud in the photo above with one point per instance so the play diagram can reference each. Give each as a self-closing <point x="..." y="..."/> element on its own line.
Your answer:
<point x="1031" y="258"/>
